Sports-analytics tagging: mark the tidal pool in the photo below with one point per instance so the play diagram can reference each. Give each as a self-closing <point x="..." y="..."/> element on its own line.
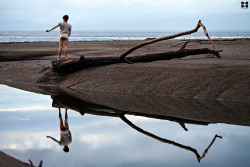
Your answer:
<point x="106" y="136"/>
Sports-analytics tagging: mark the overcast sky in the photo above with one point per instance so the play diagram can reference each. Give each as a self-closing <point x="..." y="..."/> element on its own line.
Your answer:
<point x="124" y="14"/>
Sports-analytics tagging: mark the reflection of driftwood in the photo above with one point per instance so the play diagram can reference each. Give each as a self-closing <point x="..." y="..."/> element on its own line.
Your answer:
<point x="65" y="101"/>
<point x="84" y="107"/>
<point x="169" y="141"/>
<point x="40" y="165"/>
<point x="183" y="126"/>
<point x="86" y="62"/>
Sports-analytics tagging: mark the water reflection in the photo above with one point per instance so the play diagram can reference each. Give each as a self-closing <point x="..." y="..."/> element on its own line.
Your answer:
<point x="65" y="133"/>
<point x="169" y="141"/>
<point x="85" y="107"/>
<point x="108" y="141"/>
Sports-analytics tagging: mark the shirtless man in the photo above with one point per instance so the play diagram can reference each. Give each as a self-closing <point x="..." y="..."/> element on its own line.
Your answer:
<point x="65" y="31"/>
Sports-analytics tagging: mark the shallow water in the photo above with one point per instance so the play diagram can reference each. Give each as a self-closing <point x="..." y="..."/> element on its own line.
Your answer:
<point x="27" y="118"/>
<point x="110" y="35"/>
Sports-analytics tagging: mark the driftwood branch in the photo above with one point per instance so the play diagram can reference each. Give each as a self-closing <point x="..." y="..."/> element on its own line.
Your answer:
<point x="169" y="141"/>
<point x="64" y="67"/>
<point x="206" y="33"/>
<point x="123" y="55"/>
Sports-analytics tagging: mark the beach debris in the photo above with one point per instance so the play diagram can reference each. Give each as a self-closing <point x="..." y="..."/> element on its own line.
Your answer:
<point x="66" y="67"/>
<point x="148" y="39"/>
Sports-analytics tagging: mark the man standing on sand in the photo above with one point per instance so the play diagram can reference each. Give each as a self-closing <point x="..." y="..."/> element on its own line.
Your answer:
<point x="66" y="138"/>
<point x="65" y="31"/>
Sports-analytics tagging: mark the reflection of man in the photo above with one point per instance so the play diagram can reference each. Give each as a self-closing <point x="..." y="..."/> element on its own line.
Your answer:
<point x="66" y="138"/>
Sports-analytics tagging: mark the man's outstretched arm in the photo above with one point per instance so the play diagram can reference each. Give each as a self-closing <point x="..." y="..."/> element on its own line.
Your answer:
<point x="53" y="139"/>
<point x="53" y="27"/>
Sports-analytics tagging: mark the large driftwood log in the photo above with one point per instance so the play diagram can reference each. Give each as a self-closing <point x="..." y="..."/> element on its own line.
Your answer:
<point x="65" y="67"/>
<point x="86" y="62"/>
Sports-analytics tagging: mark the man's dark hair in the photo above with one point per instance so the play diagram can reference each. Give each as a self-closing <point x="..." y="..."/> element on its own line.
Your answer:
<point x="66" y="149"/>
<point x="66" y="17"/>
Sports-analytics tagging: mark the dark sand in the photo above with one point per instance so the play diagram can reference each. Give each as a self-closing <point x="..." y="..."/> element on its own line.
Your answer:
<point x="8" y="161"/>
<point x="200" y="76"/>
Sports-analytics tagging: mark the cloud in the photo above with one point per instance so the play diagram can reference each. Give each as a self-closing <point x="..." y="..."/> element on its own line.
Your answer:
<point x="171" y="7"/>
<point x="95" y="141"/>
<point x="119" y="14"/>
<point x="116" y="144"/>
<point x="25" y="140"/>
<point x="26" y="109"/>
<point x="137" y="119"/>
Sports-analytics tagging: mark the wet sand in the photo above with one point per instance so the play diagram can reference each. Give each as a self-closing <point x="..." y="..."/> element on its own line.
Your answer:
<point x="199" y="76"/>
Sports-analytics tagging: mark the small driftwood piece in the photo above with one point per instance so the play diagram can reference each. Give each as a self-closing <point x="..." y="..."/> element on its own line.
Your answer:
<point x="65" y="67"/>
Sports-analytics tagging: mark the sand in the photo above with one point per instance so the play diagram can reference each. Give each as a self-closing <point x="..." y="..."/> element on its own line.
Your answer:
<point x="200" y="76"/>
<point x="8" y="161"/>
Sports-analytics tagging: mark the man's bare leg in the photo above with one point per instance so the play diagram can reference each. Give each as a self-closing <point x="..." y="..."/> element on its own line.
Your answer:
<point x="60" y="48"/>
<point x="60" y="118"/>
<point x="66" y="120"/>
<point x="66" y="48"/>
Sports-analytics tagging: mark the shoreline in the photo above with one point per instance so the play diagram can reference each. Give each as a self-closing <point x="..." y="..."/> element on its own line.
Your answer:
<point x="149" y="38"/>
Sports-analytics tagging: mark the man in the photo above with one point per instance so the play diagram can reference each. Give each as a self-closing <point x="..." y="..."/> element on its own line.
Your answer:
<point x="66" y="138"/>
<point x="65" y="31"/>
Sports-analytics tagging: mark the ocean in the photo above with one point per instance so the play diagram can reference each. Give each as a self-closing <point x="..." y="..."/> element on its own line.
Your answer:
<point x="110" y="35"/>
